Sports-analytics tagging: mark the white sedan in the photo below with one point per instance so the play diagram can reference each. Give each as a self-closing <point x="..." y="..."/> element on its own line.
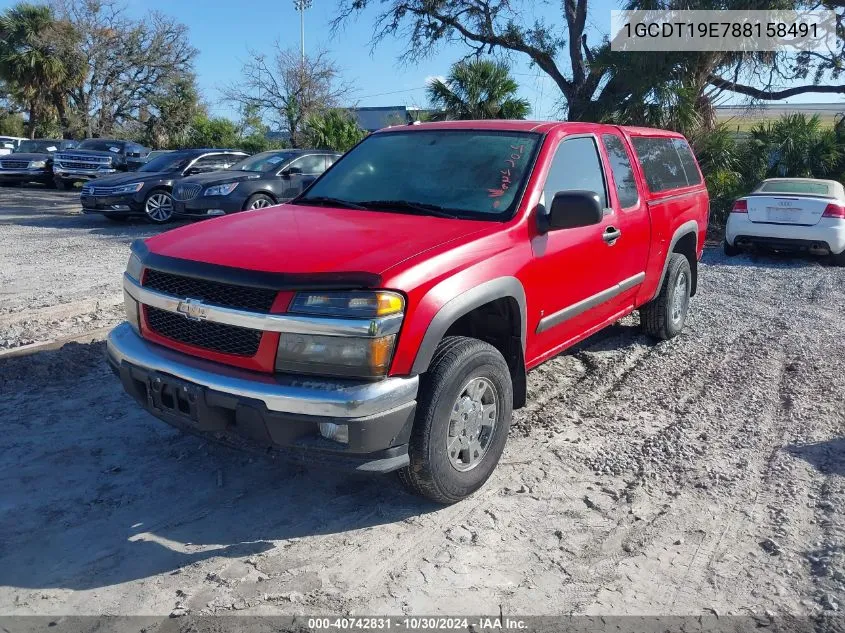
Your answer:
<point x="798" y="214"/>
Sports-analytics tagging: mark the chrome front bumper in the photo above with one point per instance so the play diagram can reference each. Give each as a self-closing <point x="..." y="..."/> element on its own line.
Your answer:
<point x="33" y="173"/>
<point x="323" y="397"/>
<point x="82" y="173"/>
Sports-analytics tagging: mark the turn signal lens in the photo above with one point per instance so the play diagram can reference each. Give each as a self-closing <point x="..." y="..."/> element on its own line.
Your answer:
<point x="348" y="304"/>
<point x="740" y="206"/>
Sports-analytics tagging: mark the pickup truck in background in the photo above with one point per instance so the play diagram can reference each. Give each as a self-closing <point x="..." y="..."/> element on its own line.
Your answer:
<point x="96" y="157"/>
<point x="32" y="161"/>
<point x="386" y="318"/>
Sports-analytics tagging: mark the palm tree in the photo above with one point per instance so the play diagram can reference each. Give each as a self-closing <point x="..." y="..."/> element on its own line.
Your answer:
<point x="30" y="63"/>
<point x="334" y="129"/>
<point x="480" y="89"/>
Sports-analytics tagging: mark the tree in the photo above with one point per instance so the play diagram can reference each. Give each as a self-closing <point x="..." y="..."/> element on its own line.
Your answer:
<point x="335" y="130"/>
<point x="479" y="89"/>
<point x="171" y="111"/>
<point x="213" y="132"/>
<point x="798" y="146"/>
<point x="130" y="63"/>
<point x="288" y="89"/>
<point x="31" y="63"/>
<point x="593" y="83"/>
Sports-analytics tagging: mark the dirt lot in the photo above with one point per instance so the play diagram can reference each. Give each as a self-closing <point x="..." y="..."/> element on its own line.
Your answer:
<point x="699" y="476"/>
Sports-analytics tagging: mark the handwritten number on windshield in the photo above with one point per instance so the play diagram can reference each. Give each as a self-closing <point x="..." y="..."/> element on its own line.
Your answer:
<point x="505" y="175"/>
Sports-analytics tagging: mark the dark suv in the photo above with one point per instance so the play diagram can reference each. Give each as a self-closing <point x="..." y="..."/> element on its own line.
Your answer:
<point x="32" y="161"/>
<point x="97" y="157"/>
<point x="147" y="191"/>
<point x="259" y="181"/>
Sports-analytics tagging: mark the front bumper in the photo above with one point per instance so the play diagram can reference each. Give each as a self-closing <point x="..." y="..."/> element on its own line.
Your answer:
<point x="270" y="413"/>
<point x="81" y="174"/>
<point x="209" y="206"/>
<point x="125" y="204"/>
<point x="827" y="235"/>
<point x="24" y="175"/>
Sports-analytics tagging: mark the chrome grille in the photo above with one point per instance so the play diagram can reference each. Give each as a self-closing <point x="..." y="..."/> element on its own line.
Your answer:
<point x="93" y="190"/>
<point x="213" y="292"/>
<point x="186" y="191"/>
<point x="67" y="164"/>
<point x="14" y="164"/>
<point x="225" y="339"/>
<point x="83" y="158"/>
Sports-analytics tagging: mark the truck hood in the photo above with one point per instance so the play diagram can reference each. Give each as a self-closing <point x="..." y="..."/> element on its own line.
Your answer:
<point x="298" y="239"/>
<point x="29" y="156"/>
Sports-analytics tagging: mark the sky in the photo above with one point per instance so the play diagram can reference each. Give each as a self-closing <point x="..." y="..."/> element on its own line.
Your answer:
<point x="224" y="32"/>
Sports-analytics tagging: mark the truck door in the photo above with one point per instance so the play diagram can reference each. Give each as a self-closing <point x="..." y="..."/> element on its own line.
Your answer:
<point x="585" y="272"/>
<point x="630" y="216"/>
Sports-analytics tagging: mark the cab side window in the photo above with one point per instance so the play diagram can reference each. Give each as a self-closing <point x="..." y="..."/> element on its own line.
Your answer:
<point x="623" y="173"/>
<point x="213" y="162"/>
<point x="576" y="165"/>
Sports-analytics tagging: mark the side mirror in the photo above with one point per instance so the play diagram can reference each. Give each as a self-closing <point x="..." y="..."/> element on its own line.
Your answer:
<point x="292" y="171"/>
<point x="571" y="209"/>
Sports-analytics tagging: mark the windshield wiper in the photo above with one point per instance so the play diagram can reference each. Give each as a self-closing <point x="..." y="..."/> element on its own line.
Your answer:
<point x="327" y="201"/>
<point x="405" y="205"/>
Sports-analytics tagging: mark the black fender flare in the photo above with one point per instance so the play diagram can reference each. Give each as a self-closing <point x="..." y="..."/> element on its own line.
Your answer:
<point x="464" y="303"/>
<point x="690" y="226"/>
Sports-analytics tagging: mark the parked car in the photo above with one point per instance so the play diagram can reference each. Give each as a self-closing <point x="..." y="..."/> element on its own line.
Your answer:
<point x="259" y="181"/>
<point x="96" y="157"/>
<point x="148" y="191"/>
<point x="385" y="319"/>
<point x="32" y="161"/>
<point x="9" y="144"/>
<point x="790" y="214"/>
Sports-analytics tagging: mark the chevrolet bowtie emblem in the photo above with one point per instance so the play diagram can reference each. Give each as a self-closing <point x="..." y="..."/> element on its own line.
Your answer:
<point x="193" y="309"/>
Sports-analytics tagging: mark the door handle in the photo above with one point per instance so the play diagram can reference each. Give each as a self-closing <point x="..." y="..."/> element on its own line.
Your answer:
<point x="611" y="234"/>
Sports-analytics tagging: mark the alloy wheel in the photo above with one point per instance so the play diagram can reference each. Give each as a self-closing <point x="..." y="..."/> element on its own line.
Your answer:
<point x="474" y="416"/>
<point x="159" y="206"/>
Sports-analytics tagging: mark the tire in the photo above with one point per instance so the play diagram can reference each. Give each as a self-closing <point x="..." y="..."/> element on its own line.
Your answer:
<point x="459" y="364"/>
<point x="158" y="206"/>
<point x="664" y="316"/>
<point x="730" y="250"/>
<point x="60" y="184"/>
<point x="258" y="201"/>
<point x="838" y="259"/>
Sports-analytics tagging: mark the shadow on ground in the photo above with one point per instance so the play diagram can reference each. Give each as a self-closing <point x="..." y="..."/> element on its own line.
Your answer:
<point x="827" y="457"/>
<point x="98" y="492"/>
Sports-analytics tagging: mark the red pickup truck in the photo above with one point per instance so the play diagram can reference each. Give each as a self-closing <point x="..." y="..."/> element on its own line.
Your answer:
<point x="385" y="319"/>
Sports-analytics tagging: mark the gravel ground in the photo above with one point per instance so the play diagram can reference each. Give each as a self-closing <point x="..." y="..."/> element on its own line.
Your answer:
<point x="699" y="476"/>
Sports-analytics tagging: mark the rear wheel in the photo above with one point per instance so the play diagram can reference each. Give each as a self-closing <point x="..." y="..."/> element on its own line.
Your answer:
<point x="462" y="420"/>
<point x="258" y="201"/>
<point x="664" y="316"/>
<point x="730" y="250"/>
<point x="158" y="206"/>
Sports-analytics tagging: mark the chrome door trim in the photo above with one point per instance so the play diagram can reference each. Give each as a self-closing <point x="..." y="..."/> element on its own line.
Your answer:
<point x="582" y="306"/>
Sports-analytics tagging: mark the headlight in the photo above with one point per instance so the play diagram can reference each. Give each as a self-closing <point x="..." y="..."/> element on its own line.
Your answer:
<point x="134" y="267"/>
<point x="133" y="188"/>
<point x="37" y="164"/>
<point x="360" y="356"/>
<point x="220" y="190"/>
<point x="347" y="304"/>
<point x="335" y="355"/>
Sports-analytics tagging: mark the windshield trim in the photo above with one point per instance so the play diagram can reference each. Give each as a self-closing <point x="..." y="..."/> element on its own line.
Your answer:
<point x="465" y="214"/>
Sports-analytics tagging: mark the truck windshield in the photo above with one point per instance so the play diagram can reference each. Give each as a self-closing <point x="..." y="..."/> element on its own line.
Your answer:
<point x="468" y="174"/>
<point x="38" y="147"/>
<point x="99" y="145"/>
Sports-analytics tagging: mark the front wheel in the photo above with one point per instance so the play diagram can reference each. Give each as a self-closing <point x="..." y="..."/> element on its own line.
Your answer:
<point x="462" y="420"/>
<point x="259" y="201"/>
<point x="664" y="316"/>
<point x="158" y="206"/>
